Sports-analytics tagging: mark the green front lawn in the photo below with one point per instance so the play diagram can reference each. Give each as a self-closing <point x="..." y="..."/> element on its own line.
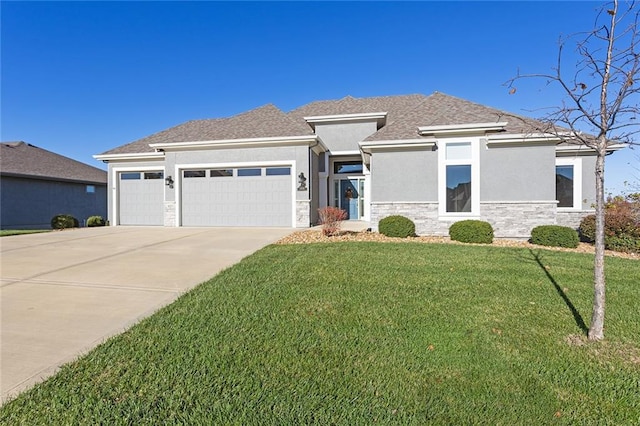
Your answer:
<point x="363" y="333"/>
<point x="9" y="232"/>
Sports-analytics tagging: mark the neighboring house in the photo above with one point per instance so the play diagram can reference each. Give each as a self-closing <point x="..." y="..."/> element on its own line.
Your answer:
<point x="435" y="159"/>
<point x="36" y="184"/>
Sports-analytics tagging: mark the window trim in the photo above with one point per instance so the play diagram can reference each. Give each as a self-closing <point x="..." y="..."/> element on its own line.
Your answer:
<point x="474" y="162"/>
<point x="577" y="181"/>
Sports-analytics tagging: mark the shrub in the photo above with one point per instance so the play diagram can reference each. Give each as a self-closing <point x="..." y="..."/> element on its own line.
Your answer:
<point x="621" y="228"/>
<point x="95" y="221"/>
<point x="397" y="226"/>
<point x="555" y="236"/>
<point x="472" y="231"/>
<point x="330" y="218"/>
<point x="64" y="221"/>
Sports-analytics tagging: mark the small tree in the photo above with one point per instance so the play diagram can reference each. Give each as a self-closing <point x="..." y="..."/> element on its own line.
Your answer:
<point x="601" y="98"/>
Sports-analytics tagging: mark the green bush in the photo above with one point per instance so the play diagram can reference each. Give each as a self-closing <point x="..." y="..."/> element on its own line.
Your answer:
<point x="64" y="221"/>
<point x="472" y="231"/>
<point x="95" y="221"/>
<point x="555" y="236"/>
<point x="397" y="226"/>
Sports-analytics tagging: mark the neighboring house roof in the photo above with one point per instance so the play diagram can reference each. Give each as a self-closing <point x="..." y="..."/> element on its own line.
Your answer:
<point x="263" y="122"/>
<point x="404" y="114"/>
<point x="25" y="160"/>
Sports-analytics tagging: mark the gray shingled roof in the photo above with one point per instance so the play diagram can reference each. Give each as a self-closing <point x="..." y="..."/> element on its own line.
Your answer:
<point x="439" y="109"/>
<point x="405" y="113"/>
<point x="26" y="160"/>
<point x="394" y="106"/>
<point x="263" y="122"/>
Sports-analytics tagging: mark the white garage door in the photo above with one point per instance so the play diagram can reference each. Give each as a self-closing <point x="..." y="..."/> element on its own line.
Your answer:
<point x="141" y="198"/>
<point x="256" y="196"/>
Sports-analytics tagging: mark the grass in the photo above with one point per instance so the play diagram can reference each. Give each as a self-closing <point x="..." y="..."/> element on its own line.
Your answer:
<point x="9" y="232"/>
<point x="363" y="333"/>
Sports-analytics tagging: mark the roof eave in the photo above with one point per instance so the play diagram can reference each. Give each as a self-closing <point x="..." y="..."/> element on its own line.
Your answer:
<point x="310" y="140"/>
<point x="462" y="129"/>
<point x="129" y="156"/>
<point x="379" y="117"/>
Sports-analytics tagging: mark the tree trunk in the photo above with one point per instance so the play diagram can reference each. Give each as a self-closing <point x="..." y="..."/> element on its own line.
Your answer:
<point x="596" y="330"/>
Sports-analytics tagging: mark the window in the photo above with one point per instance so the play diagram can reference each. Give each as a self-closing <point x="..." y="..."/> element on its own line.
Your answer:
<point x="459" y="177"/>
<point x="249" y="172"/>
<point x="91" y="189"/>
<point x="154" y="175"/>
<point x="221" y="173"/>
<point x="459" y="189"/>
<point x="278" y="171"/>
<point x="569" y="183"/>
<point x="347" y="167"/>
<point x="194" y="173"/>
<point x="130" y="176"/>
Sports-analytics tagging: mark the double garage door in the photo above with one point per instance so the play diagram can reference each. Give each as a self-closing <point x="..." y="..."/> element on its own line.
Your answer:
<point x="256" y="196"/>
<point x="250" y="196"/>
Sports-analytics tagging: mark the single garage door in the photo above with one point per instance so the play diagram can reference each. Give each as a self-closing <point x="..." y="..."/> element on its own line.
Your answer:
<point x="141" y="198"/>
<point x="256" y="196"/>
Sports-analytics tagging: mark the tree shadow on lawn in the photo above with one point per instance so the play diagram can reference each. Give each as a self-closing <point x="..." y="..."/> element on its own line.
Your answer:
<point x="576" y="315"/>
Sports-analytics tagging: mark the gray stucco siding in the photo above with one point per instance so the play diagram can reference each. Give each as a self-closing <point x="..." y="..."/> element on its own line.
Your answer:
<point x="404" y="176"/>
<point x="517" y="173"/>
<point x="32" y="203"/>
<point x="112" y="185"/>
<point x="589" y="182"/>
<point x="345" y="136"/>
<point x="314" y="183"/>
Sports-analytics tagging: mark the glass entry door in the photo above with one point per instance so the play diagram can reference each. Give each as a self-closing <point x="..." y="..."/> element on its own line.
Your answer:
<point x="348" y="195"/>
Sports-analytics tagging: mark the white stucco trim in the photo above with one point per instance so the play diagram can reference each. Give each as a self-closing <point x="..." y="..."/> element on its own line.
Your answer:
<point x="520" y="202"/>
<point x="577" y="182"/>
<point x="188" y="166"/>
<point x="580" y="149"/>
<point x="380" y="118"/>
<point x="522" y="139"/>
<point x="470" y="128"/>
<point x="341" y="153"/>
<point x="311" y="141"/>
<point x="371" y="146"/>
<point x="401" y="202"/>
<point x="115" y="189"/>
<point x="367" y="148"/>
<point x="474" y="161"/>
<point x="123" y="157"/>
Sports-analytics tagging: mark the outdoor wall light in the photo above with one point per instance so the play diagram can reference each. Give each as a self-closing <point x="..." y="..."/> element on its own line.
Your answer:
<point x="169" y="181"/>
<point x="302" y="182"/>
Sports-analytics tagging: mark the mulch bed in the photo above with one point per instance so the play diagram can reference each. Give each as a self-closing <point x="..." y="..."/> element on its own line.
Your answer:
<point x="316" y="236"/>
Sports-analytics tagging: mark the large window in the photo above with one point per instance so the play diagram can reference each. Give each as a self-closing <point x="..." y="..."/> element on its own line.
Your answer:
<point x="569" y="183"/>
<point x="458" y="176"/>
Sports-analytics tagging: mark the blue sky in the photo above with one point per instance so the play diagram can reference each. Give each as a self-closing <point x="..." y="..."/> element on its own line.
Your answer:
<point x="80" y="78"/>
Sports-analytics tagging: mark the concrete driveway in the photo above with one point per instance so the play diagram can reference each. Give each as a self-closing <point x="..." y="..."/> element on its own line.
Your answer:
<point x="63" y="293"/>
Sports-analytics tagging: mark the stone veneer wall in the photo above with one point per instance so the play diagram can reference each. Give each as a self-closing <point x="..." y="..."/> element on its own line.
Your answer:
<point x="303" y="214"/>
<point x="509" y="219"/>
<point x="517" y="219"/>
<point x="572" y="219"/>
<point x="424" y="215"/>
<point x="169" y="213"/>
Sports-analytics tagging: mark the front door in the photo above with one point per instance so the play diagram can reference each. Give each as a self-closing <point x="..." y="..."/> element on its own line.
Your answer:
<point x="350" y="197"/>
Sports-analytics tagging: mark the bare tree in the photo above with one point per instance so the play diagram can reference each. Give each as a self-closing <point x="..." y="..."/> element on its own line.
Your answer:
<point x="601" y="99"/>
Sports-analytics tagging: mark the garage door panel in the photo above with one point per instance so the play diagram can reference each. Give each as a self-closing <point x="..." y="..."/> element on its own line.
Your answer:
<point x="237" y="201"/>
<point x="140" y="200"/>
